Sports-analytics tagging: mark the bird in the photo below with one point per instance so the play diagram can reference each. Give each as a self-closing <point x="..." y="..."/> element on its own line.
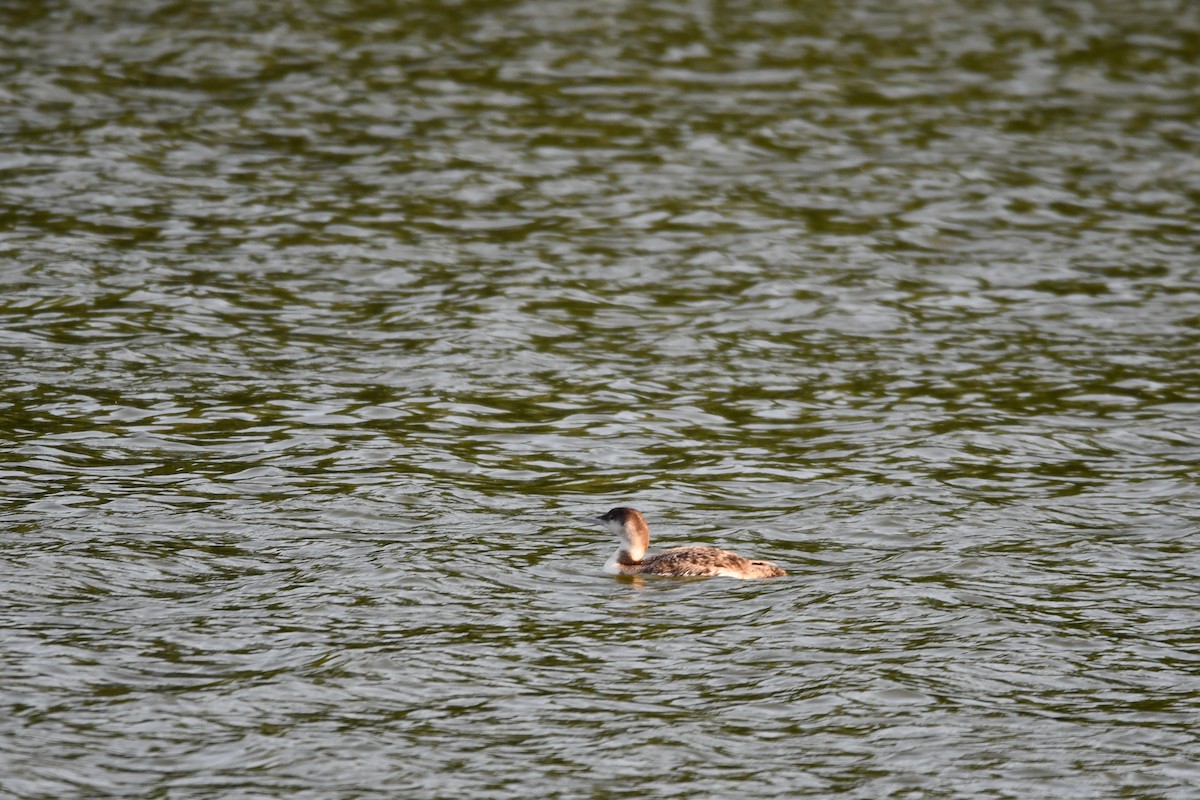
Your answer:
<point x="631" y="558"/>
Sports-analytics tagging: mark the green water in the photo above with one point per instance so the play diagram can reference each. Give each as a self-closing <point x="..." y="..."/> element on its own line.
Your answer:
<point x="320" y="323"/>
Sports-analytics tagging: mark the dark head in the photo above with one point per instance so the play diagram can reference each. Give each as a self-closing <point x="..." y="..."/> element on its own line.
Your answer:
<point x="630" y="526"/>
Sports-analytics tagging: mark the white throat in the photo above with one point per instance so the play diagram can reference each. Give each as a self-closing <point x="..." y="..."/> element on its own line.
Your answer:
<point x="611" y="566"/>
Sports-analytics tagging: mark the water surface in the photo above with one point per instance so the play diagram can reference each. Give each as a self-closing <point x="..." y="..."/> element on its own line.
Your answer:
<point x="321" y="322"/>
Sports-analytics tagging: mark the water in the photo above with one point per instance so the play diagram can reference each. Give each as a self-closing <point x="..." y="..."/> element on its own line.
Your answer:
<point x="321" y="321"/>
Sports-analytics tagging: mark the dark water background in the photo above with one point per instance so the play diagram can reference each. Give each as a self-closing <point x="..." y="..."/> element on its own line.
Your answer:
<point x="320" y="321"/>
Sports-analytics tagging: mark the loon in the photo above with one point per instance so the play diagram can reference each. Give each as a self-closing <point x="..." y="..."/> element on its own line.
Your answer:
<point x="631" y="558"/>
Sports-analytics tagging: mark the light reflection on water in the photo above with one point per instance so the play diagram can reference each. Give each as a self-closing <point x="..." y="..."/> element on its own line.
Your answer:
<point x="321" y="325"/>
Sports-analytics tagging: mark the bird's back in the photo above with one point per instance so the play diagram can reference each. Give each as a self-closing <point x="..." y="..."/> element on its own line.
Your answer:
<point x="702" y="561"/>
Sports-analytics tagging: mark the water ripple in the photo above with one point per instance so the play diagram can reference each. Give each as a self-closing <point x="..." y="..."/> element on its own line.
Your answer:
<point x="322" y="325"/>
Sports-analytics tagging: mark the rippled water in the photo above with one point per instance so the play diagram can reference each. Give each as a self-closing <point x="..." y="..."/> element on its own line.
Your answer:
<point x="321" y="322"/>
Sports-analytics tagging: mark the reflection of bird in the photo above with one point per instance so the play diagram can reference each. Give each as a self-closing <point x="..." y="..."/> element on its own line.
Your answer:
<point x="631" y="558"/>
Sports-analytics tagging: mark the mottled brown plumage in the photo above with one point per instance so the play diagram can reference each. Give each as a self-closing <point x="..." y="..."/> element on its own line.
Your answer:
<point x="631" y="558"/>
<point x="706" y="561"/>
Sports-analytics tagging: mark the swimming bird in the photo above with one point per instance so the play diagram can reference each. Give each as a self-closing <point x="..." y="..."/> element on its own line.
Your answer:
<point x="631" y="558"/>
